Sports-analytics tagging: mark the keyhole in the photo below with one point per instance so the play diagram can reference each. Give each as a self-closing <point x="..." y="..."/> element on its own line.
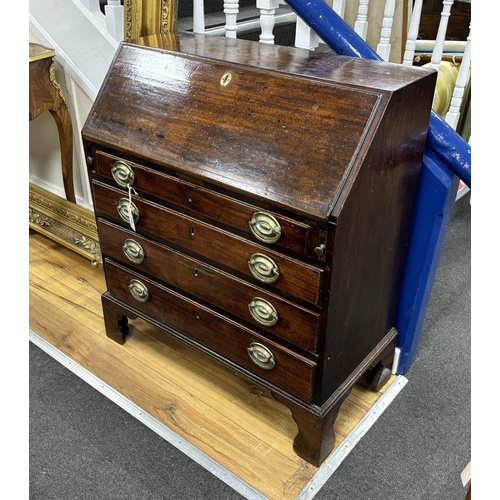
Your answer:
<point x="196" y="272"/>
<point x="191" y="232"/>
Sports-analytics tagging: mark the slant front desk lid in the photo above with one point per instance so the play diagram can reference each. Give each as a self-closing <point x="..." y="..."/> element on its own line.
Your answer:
<point x="289" y="133"/>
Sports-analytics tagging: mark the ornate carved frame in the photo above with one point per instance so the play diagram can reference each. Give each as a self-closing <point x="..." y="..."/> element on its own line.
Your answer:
<point x="149" y="17"/>
<point x="67" y="223"/>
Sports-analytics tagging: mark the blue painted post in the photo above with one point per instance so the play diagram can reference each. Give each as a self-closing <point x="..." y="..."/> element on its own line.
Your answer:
<point x="446" y="156"/>
<point x="437" y="193"/>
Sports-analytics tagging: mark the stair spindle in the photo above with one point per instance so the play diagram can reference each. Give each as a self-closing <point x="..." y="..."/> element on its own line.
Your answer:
<point x="361" y="24"/>
<point x="411" y="41"/>
<point x="305" y="38"/>
<point x="339" y="7"/>
<point x="198" y="16"/>
<point x="115" y="19"/>
<point x="267" y="11"/>
<point x="231" y="9"/>
<point x="458" y="92"/>
<point x="437" y="53"/>
<point x="384" y="46"/>
<point x="92" y="5"/>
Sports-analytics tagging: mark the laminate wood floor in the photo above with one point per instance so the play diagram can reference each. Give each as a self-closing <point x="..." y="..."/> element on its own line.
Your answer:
<point x="230" y="419"/>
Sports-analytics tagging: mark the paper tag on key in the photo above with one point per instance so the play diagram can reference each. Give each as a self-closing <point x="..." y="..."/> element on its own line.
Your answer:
<point x="130" y="216"/>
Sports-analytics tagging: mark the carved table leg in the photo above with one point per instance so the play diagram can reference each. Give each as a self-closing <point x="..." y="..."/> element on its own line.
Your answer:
<point x="116" y="318"/>
<point x="63" y="122"/>
<point x="46" y="95"/>
<point x="316" y="437"/>
<point x="62" y="118"/>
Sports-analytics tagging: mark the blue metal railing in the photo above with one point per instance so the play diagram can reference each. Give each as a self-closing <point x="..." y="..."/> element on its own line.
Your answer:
<point x="442" y="140"/>
<point x="447" y="158"/>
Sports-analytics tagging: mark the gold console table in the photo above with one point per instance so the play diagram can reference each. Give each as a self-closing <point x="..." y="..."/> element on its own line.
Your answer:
<point x="47" y="95"/>
<point x="58" y="218"/>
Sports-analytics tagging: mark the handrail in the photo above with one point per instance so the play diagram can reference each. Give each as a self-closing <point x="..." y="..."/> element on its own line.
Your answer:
<point x="442" y="140"/>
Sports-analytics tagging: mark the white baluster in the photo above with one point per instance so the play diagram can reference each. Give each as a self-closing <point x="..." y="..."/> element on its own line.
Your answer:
<point x="361" y="24"/>
<point x="231" y="9"/>
<point x="411" y="41"/>
<point x="384" y="46"/>
<point x="339" y="7"/>
<point x="114" y="19"/>
<point x="198" y="16"/>
<point x="92" y="5"/>
<point x="267" y="11"/>
<point x="458" y="92"/>
<point x="437" y="53"/>
<point x="305" y="37"/>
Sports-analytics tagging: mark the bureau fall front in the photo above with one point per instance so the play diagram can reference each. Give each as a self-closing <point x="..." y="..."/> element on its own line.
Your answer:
<point x="255" y="201"/>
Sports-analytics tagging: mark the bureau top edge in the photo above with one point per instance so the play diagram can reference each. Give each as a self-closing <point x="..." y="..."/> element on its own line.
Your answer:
<point x="290" y="140"/>
<point x="353" y="71"/>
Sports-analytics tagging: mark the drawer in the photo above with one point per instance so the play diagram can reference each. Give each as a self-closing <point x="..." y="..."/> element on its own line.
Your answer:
<point x="263" y="227"/>
<point x="273" y="363"/>
<point x="239" y="298"/>
<point x="259" y="264"/>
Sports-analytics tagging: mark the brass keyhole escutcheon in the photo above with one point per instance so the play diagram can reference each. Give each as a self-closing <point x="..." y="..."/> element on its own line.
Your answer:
<point x="226" y="79"/>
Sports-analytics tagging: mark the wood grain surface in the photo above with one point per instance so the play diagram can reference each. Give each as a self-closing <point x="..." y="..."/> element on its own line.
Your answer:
<point x="233" y="420"/>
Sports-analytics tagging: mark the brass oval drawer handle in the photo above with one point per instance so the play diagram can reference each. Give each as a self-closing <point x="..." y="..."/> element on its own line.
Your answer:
<point x="138" y="290"/>
<point x="261" y="356"/>
<point x="125" y="207"/>
<point x="123" y="174"/>
<point x="265" y="227"/>
<point x="263" y="268"/>
<point x="263" y="312"/>
<point x="133" y="251"/>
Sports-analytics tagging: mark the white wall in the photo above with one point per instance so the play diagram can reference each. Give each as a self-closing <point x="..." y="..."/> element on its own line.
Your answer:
<point x="84" y="51"/>
<point x="79" y="37"/>
<point x="44" y="149"/>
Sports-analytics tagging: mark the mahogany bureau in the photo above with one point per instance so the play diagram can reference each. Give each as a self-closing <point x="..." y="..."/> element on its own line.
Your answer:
<point x="255" y="201"/>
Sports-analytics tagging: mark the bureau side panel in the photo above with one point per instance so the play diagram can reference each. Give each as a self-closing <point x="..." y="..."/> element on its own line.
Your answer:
<point x="373" y="224"/>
